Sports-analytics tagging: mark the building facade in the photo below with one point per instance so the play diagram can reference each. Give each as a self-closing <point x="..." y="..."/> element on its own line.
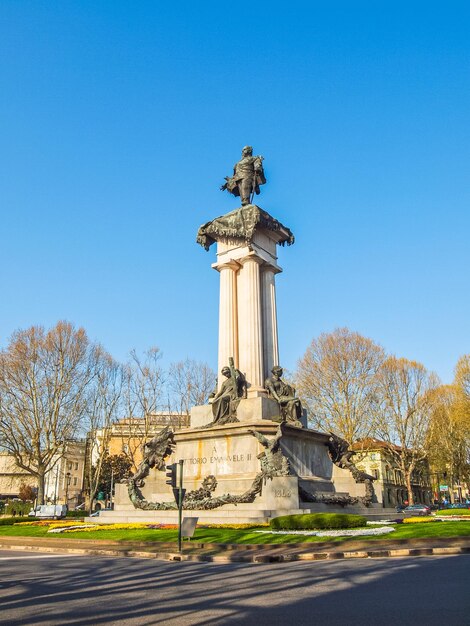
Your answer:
<point x="64" y="481"/>
<point x="128" y="435"/>
<point x="375" y="458"/>
<point x="12" y="477"/>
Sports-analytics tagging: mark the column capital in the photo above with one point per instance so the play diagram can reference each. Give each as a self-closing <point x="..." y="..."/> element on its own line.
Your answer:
<point x="227" y="265"/>
<point x="269" y="267"/>
<point x="252" y="256"/>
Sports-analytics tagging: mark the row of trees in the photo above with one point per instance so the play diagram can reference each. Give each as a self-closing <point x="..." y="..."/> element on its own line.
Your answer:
<point x="57" y="385"/>
<point x="353" y="388"/>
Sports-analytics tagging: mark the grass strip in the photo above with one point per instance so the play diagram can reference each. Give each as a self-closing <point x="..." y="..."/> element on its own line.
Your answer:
<point x="219" y="535"/>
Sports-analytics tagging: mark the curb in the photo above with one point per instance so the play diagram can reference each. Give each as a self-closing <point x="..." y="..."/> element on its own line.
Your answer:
<point x="238" y="558"/>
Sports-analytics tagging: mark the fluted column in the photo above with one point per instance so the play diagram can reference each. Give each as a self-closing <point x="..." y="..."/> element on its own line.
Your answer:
<point x="250" y="332"/>
<point x="228" y="314"/>
<point x="270" y="340"/>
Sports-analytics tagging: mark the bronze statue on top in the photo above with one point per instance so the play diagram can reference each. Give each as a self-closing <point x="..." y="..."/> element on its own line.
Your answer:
<point x="284" y="394"/>
<point x="248" y="175"/>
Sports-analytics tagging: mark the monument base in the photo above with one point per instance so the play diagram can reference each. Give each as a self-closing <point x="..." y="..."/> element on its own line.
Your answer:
<point x="230" y="458"/>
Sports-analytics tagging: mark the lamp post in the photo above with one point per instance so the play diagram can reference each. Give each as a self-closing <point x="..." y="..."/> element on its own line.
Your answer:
<point x="56" y="483"/>
<point x="111" y="491"/>
<point x="67" y="483"/>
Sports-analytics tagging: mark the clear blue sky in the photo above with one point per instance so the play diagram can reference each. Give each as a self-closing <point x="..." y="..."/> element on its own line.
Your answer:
<point x="119" y="120"/>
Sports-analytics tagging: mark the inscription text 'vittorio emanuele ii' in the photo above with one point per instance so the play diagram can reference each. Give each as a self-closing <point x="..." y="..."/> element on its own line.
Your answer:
<point x="229" y="458"/>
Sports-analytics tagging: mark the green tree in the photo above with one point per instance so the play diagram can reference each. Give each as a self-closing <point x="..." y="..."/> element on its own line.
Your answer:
<point x="114" y="468"/>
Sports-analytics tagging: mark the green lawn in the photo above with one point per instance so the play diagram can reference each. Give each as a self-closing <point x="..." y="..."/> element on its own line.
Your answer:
<point x="219" y="535"/>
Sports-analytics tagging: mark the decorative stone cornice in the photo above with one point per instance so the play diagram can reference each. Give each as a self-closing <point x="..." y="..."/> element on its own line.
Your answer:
<point x="241" y="225"/>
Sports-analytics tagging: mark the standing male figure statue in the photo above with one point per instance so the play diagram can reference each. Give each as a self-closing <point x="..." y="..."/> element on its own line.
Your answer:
<point x="284" y="394"/>
<point x="248" y="175"/>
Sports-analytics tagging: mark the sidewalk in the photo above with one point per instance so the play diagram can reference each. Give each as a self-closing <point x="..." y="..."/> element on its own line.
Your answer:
<point x="235" y="553"/>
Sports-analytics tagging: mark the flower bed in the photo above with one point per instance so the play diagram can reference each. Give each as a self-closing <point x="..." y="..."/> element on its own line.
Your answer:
<point x="454" y="512"/>
<point x="90" y="527"/>
<point x="346" y="532"/>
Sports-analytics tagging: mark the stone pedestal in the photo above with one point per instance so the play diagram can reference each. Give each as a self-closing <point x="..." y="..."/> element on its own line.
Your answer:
<point x="232" y="454"/>
<point x="249" y="410"/>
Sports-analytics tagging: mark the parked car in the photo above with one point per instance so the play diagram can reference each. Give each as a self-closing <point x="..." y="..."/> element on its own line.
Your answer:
<point x="418" y="509"/>
<point x="458" y="505"/>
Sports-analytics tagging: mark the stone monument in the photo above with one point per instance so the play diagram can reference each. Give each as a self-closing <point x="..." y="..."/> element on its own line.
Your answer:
<point x="248" y="455"/>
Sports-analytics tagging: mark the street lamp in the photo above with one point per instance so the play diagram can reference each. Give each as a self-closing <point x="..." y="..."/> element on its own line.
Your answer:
<point x="67" y="483"/>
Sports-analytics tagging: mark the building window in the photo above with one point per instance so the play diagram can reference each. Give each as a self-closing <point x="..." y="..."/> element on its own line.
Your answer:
<point x="76" y="466"/>
<point x="75" y="481"/>
<point x="69" y="465"/>
<point x="373" y="456"/>
<point x="375" y="473"/>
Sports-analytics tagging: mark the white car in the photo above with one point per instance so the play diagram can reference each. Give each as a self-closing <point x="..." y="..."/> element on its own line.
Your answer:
<point x="44" y="511"/>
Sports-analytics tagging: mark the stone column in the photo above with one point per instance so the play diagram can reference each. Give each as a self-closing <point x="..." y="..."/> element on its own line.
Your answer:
<point x="271" y="346"/>
<point x="250" y="332"/>
<point x="228" y="331"/>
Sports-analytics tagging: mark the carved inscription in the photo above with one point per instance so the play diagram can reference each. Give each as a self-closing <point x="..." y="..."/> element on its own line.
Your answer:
<point x="231" y="458"/>
<point x="282" y="493"/>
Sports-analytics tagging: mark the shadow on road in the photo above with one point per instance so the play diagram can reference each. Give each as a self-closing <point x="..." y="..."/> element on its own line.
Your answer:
<point x="89" y="591"/>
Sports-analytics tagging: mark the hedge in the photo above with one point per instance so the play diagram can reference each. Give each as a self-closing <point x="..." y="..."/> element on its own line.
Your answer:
<point x="77" y="514"/>
<point x="9" y="521"/>
<point x="453" y="512"/>
<point x="314" y="521"/>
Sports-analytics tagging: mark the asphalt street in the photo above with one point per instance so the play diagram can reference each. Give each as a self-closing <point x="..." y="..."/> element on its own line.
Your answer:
<point x="56" y="589"/>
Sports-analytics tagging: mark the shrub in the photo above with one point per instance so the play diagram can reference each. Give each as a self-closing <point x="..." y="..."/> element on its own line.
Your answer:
<point x="77" y="514"/>
<point x="454" y="512"/>
<point x="314" y="521"/>
<point x="17" y="507"/>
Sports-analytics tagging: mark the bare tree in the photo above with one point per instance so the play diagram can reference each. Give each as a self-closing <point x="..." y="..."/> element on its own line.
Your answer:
<point x="190" y="383"/>
<point x="44" y="377"/>
<point x="408" y="396"/>
<point x="103" y="406"/>
<point x="143" y="395"/>
<point x="337" y="380"/>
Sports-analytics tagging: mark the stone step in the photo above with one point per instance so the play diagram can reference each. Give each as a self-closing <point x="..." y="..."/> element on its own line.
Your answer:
<point x="227" y="514"/>
<point x="250" y="506"/>
<point x="254" y="516"/>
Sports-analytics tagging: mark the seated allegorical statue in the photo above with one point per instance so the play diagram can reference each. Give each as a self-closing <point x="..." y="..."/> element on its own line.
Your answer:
<point x="226" y="400"/>
<point x="284" y="394"/>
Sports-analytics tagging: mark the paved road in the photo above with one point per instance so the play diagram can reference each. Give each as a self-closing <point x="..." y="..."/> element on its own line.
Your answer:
<point x="44" y="589"/>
